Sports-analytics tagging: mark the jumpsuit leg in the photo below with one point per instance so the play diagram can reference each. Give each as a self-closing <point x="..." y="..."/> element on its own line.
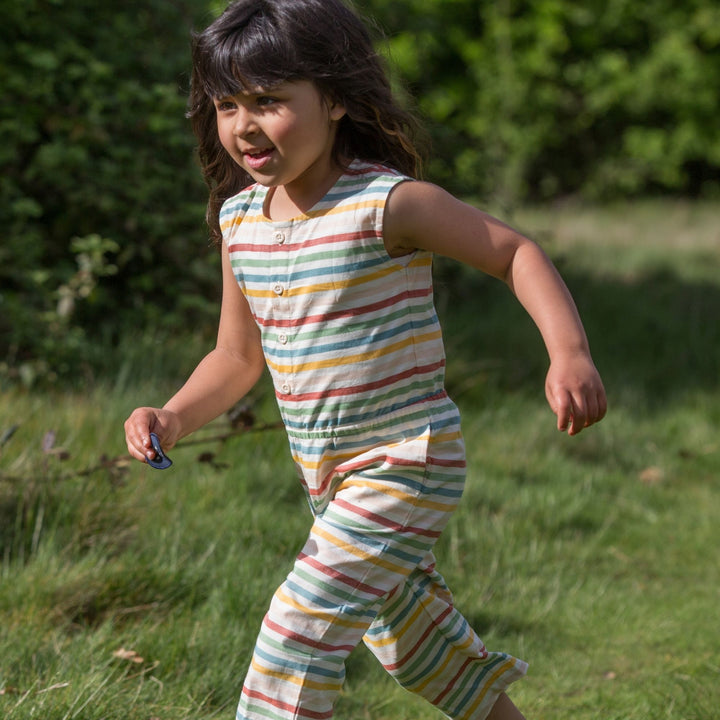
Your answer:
<point x="430" y="649"/>
<point x="369" y="552"/>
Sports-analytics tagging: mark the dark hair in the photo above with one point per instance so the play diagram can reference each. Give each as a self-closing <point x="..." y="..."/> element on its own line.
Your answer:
<point x="261" y="43"/>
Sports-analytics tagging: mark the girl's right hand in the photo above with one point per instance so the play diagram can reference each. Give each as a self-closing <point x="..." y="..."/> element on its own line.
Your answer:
<point x="164" y="423"/>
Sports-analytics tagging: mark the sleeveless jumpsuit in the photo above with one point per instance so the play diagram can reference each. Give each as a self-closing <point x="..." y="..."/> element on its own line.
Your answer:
<point x="354" y="347"/>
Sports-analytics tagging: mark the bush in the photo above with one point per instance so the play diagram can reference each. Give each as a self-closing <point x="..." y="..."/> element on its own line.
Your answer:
<point x="528" y="100"/>
<point x="103" y="208"/>
<point x="102" y="204"/>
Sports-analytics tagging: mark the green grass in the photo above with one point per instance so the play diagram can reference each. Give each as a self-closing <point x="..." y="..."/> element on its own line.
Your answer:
<point x="594" y="558"/>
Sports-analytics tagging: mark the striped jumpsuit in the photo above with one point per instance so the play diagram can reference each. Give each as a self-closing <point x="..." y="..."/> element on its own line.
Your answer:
<point x="354" y="347"/>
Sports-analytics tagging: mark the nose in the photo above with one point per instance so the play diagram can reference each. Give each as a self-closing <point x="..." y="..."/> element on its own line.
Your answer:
<point x="244" y="122"/>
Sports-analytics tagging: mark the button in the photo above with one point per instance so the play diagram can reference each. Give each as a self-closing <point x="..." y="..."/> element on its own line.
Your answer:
<point x="280" y="237"/>
<point x="278" y="289"/>
<point x="285" y="387"/>
<point x="282" y="339"/>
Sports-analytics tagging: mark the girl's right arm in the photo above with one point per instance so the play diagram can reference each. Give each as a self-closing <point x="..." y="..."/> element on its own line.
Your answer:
<point x="224" y="376"/>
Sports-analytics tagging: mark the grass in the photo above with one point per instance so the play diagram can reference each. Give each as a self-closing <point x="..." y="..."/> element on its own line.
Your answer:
<point x="128" y="593"/>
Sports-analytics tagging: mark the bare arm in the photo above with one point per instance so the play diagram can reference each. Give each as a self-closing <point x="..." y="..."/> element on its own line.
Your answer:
<point x="421" y="215"/>
<point x="223" y="376"/>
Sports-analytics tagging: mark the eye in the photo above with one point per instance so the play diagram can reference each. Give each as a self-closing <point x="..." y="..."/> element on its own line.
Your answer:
<point x="224" y="104"/>
<point x="265" y="100"/>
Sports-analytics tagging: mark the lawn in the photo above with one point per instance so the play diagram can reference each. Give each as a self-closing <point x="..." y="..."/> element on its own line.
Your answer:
<point x="128" y="593"/>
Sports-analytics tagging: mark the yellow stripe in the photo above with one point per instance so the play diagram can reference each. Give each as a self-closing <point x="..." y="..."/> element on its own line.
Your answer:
<point x="352" y="359"/>
<point x="337" y="210"/>
<point x="352" y="550"/>
<point x="438" y="671"/>
<point x="329" y="618"/>
<point x="419" y="261"/>
<point x="418" y="502"/>
<point x="393" y="639"/>
<point x="338" y="458"/>
<point x="408" y="624"/>
<point x="506" y="667"/>
<point x="445" y="437"/>
<point x="295" y="680"/>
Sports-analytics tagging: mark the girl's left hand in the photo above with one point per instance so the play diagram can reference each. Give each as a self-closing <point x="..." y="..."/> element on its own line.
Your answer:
<point x="575" y="392"/>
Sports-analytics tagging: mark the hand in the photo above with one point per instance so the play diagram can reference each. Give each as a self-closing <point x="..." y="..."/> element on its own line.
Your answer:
<point x="575" y="392"/>
<point x="165" y="424"/>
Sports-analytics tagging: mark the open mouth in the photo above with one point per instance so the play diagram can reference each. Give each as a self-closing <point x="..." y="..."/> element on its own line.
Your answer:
<point x="259" y="159"/>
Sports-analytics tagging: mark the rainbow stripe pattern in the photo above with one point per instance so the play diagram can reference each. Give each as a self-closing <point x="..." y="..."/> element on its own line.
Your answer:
<point x="355" y="351"/>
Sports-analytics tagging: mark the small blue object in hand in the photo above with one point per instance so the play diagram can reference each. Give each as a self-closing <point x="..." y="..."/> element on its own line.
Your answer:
<point x="161" y="460"/>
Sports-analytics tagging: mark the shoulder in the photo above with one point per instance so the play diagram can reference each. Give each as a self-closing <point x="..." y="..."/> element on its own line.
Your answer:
<point x="242" y="201"/>
<point x="422" y="216"/>
<point x="374" y="177"/>
<point x="235" y="208"/>
<point x="416" y="212"/>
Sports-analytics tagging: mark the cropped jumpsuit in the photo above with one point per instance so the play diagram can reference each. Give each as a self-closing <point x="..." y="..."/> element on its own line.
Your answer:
<point x="353" y="344"/>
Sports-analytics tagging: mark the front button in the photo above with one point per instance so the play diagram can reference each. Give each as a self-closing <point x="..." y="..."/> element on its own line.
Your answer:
<point x="279" y="237"/>
<point x="285" y="388"/>
<point x="278" y="289"/>
<point x="282" y="339"/>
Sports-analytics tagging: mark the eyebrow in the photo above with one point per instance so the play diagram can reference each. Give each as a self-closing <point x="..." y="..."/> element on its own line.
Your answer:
<point x="253" y="91"/>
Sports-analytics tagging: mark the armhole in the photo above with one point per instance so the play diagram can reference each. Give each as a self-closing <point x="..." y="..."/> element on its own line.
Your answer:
<point x="402" y="255"/>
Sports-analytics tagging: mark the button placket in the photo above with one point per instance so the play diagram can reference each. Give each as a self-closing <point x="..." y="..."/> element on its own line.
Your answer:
<point x="281" y="302"/>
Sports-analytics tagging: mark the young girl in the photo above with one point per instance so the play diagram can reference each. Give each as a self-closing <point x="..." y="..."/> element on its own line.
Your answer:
<point x="327" y="279"/>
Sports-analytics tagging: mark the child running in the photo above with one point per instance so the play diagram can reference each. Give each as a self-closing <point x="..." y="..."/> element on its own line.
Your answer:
<point x="327" y="240"/>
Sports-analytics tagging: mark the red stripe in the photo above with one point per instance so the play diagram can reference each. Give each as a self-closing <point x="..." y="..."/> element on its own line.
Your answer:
<point x="446" y="463"/>
<point x="450" y="685"/>
<point x="303" y="640"/>
<point x="297" y="712"/>
<point x="356" y="389"/>
<point x="341" y="577"/>
<point x="353" y="312"/>
<point x="345" y="468"/>
<point x="423" y="637"/>
<point x="380" y="520"/>
<point x="348" y="467"/>
<point x="296" y="247"/>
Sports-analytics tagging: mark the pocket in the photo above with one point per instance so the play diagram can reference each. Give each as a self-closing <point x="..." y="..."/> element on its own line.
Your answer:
<point x="387" y="479"/>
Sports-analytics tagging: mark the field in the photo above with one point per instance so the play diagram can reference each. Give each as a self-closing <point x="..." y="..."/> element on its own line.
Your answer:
<point x="131" y="594"/>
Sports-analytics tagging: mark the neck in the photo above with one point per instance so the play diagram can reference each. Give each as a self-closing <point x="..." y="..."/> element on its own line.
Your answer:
<point x="288" y="201"/>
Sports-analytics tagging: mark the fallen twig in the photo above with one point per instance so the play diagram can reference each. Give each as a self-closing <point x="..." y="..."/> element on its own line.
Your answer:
<point x="120" y="463"/>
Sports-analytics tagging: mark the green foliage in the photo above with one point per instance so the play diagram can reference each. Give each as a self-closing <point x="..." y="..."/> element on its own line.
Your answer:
<point x="102" y="206"/>
<point x="534" y="99"/>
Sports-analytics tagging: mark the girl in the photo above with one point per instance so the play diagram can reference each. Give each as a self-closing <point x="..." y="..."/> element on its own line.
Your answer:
<point x="326" y="260"/>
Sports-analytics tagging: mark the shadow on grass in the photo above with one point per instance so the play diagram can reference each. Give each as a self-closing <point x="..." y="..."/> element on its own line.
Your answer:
<point x="654" y="338"/>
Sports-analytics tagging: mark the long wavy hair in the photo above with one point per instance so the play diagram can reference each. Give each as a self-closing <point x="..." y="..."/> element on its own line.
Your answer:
<point x="261" y="43"/>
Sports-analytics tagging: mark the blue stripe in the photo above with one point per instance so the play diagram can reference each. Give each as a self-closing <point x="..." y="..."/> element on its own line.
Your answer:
<point x="303" y="667"/>
<point x="374" y="338"/>
<point x="307" y="593"/>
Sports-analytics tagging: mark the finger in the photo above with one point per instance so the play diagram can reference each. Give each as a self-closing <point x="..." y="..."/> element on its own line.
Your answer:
<point x="137" y="436"/>
<point x="593" y="411"/>
<point x="597" y="407"/>
<point x="602" y="404"/>
<point x="148" y="450"/>
<point x="140" y="448"/>
<point x="579" y="416"/>
<point x="563" y="410"/>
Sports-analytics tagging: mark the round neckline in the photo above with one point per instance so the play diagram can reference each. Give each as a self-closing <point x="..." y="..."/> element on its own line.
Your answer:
<point x="308" y="214"/>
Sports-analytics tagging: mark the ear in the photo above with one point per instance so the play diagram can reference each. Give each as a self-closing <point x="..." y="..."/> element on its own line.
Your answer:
<point x="337" y="111"/>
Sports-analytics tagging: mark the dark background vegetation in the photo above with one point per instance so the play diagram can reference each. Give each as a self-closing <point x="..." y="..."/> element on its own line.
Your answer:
<point x="101" y="201"/>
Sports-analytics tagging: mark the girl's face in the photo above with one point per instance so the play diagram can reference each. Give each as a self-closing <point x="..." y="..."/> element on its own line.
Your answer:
<point x="280" y="136"/>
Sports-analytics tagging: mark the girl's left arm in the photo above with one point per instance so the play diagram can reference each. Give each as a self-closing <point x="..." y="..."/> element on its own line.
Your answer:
<point x="423" y="216"/>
